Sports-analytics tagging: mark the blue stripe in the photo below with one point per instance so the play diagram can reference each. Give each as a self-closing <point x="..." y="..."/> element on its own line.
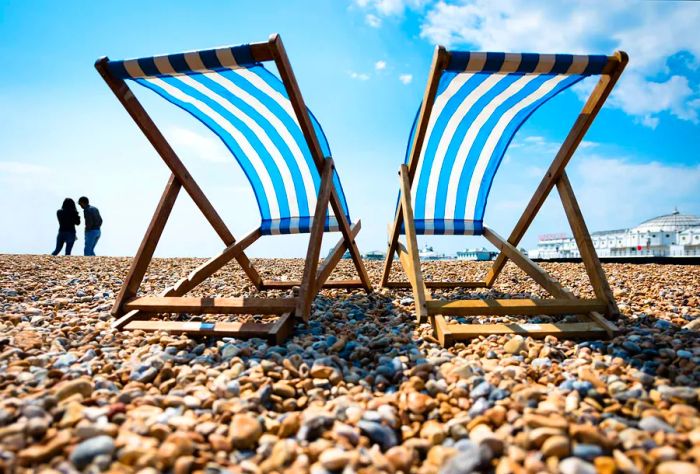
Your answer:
<point x="117" y="69"/>
<point x="446" y="226"/>
<point x="562" y="63"/>
<point x="179" y="63"/>
<point x="458" y="61"/>
<point x="243" y="54"/>
<point x="595" y="64"/>
<point x="271" y="131"/>
<point x="288" y="121"/>
<point x="148" y="66"/>
<point x="451" y="151"/>
<point x="485" y="131"/>
<point x="528" y="62"/>
<point x="210" y="59"/>
<point x="463" y="128"/>
<point x="508" y="134"/>
<point x="251" y="137"/>
<point x="233" y="147"/>
<point x="494" y="61"/>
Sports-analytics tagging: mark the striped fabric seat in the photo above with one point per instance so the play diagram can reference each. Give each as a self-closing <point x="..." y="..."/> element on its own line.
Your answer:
<point x="481" y="102"/>
<point x="247" y="106"/>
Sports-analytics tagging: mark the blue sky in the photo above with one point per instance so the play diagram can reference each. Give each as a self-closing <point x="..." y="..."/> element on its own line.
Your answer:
<point x="362" y="67"/>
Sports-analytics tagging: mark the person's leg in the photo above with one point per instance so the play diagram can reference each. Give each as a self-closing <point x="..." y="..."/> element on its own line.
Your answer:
<point x="69" y="245"/>
<point x="98" y="234"/>
<point x="91" y="237"/>
<point x="59" y="244"/>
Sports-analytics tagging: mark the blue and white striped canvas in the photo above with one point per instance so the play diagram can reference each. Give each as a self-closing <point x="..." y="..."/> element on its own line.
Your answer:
<point x="247" y="106"/>
<point x="481" y="101"/>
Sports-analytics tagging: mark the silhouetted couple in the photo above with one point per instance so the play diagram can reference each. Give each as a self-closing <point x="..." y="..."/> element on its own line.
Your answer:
<point x="68" y="218"/>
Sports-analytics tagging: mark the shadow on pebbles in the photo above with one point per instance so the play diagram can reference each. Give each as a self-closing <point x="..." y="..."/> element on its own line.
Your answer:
<point x="361" y="388"/>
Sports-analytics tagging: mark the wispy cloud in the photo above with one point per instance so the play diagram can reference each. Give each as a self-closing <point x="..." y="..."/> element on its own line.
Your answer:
<point x="373" y="20"/>
<point x="360" y="76"/>
<point x="651" y="33"/>
<point x="380" y="65"/>
<point x="406" y="78"/>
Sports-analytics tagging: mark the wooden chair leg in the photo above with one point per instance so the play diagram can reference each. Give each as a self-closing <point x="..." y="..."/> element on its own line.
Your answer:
<point x="308" y="289"/>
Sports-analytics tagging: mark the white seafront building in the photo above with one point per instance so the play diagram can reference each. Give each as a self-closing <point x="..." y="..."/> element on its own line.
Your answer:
<point x="670" y="235"/>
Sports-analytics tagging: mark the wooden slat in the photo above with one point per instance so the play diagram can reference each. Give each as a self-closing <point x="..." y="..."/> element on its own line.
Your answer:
<point x="515" y="306"/>
<point x="440" y="61"/>
<point x="308" y="289"/>
<point x="144" y="254"/>
<point x="442" y="331"/>
<point x="197" y="276"/>
<point x="185" y="304"/>
<point x="334" y="256"/>
<point x="412" y="263"/>
<point x="599" y="281"/>
<point x="274" y="332"/>
<point x="438" y="284"/>
<point x="302" y="112"/>
<point x="569" y="330"/>
<point x="129" y="101"/>
<point x="590" y="110"/>
<point x="533" y="270"/>
<point x="285" y="285"/>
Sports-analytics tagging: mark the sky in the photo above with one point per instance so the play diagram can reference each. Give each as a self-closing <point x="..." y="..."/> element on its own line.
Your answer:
<point x="362" y="67"/>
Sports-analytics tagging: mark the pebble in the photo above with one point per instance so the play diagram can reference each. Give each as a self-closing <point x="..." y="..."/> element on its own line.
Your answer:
<point x="86" y="451"/>
<point x="515" y="345"/>
<point x="360" y="388"/>
<point x="244" y="431"/>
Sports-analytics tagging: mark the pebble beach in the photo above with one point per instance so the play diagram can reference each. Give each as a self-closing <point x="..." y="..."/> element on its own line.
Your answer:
<point x="360" y="388"/>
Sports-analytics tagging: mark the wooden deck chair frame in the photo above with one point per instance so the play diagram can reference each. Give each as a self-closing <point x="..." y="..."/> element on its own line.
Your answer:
<point x="134" y="312"/>
<point x="564" y="302"/>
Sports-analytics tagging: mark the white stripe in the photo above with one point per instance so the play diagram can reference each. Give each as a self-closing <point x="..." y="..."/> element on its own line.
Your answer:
<point x="448" y="134"/>
<point x="259" y="132"/>
<point x="468" y="141"/>
<point x="281" y="129"/>
<point x="440" y="101"/>
<point x="496" y="134"/>
<point x="266" y="88"/>
<point x="249" y="151"/>
<point x="194" y="61"/>
<point x="285" y="103"/>
<point x="476" y="61"/>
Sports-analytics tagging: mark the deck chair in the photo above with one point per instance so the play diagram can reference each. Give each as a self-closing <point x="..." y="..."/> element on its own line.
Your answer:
<point x="474" y="103"/>
<point x="264" y="123"/>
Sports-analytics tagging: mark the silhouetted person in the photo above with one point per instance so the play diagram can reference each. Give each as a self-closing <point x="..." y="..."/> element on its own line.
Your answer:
<point x="93" y="222"/>
<point x="68" y="218"/>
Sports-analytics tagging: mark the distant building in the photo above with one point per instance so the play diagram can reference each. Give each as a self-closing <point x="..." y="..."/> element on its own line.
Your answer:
<point x="476" y="254"/>
<point x="374" y="255"/>
<point x="671" y="235"/>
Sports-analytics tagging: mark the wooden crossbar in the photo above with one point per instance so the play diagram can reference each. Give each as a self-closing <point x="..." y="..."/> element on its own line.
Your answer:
<point x="330" y="262"/>
<point x="438" y="284"/>
<point x="274" y="332"/>
<point x="184" y="304"/>
<point x="285" y="285"/>
<point x="525" y="306"/>
<point x="448" y="334"/>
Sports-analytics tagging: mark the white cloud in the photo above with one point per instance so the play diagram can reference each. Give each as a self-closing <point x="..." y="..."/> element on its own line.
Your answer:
<point x="373" y="20"/>
<point x="651" y="32"/>
<point x="406" y="78"/>
<point x="20" y="168"/>
<point x="360" y="76"/>
<point x="380" y="65"/>
<point x="204" y="147"/>
<point x="389" y="7"/>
